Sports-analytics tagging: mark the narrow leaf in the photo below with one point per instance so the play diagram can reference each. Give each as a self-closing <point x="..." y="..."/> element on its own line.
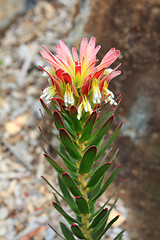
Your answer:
<point x="99" y="218"/>
<point x="94" y="191"/>
<point x="87" y="130"/>
<point x="115" y="134"/>
<point x="54" y="164"/>
<point x="60" y="154"/>
<point x="53" y="187"/>
<point x="77" y="231"/>
<point x="119" y="235"/>
<point x="107" y="183"/>
<point x="46" y="108"/>
<point x="63" y="213"/>
<point x="56" y="199"/>
<point x="108" y="226"/>
<point x="47" y="126"/>
<point x="100" y="227"/>
<point x="102" y="131"/>
<point x="88" y="159"/>
<point x="82" y="205"/>
<point x="68" y="143"/>
<point x="98" y="174"/>
<point x="66" y="232"/>
<point x="67" y="196"/>
<point x="56" y="232"/>
<point x="58" y="120"/>
<point x="71" y="184"/>
<point x="76" y="124"/>
<point x="103" y="159"/>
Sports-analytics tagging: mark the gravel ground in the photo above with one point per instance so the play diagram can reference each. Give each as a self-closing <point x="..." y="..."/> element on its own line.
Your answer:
<point x="25" y="204"/>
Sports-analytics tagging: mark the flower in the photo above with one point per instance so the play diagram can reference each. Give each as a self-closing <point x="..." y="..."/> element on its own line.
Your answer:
<point x="76" y="80"/>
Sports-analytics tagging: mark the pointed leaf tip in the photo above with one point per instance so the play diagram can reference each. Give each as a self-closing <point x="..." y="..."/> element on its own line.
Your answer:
<point x="68" y="143"/>
<point x="87" y="130"/>
<point x="58" y="120"/>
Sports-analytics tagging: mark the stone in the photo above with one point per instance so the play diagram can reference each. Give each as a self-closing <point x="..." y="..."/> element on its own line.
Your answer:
<point x="3" y="213"/>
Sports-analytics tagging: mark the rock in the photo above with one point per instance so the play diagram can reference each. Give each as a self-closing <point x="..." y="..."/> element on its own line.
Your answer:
<point x="3" y="213"/>
<point x="9" y="12"/>
<point x="15" y="126"/>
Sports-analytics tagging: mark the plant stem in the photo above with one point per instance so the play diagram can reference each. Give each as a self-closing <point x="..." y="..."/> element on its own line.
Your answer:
<point x="85" y="218"/>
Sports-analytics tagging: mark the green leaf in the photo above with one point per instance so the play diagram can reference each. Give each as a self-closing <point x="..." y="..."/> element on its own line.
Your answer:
<point x="46" y="108"/>
<point x="94" y="191"/>
<point x="67" y="196"/>
<point x="76" y="124"/>
<point x="63" y="213"/>
<point x="66" y="232"/>
<point x="82" y="205"/>
<point x="115" y="134"/>
<point x="47" y="126"/>
<point x="60" y="154"/>
<point x="77" y="231"/>
<point x="56" y="199"/>
<point x="58" y="120"/>
<point x="56" y="232"/>
<point x="71" y="184"/>
<point x="87" y="130"/>
<point x="96" y="213"/>
<point x="99" y="218"/>
<point x="108" y="226"/>
<point x="54" y="164"/>
<point x="109" y="114"/>
<point x="100" y="227"/>
<point x="103" y="159"/>
<point x="88" y="159"/>
<point x="52" y="187"/>
<point x="68" y="143"/>
<point x="98" y="174"/>
<point x="118" y="237"/>
<point x="102" y="131"/>
<point x="107" y="183"/>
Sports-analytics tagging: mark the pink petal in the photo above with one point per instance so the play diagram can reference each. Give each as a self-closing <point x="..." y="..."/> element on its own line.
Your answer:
<point x="99" y="74"/>
<point x="111" y="54"/>
<point x="83" y="47"/>
<point x="75" y="55"/>
<point x="50" y="59"/>
<point x="67" y="52"/>
<point x="60" y="53"/>
<point x="92" y="42"/>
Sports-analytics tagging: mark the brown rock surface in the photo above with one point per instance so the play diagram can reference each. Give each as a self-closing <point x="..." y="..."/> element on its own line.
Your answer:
<point x="134" y="28"/>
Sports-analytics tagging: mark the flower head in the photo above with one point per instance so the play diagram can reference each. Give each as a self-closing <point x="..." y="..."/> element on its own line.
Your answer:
<point x="76" y="79"/>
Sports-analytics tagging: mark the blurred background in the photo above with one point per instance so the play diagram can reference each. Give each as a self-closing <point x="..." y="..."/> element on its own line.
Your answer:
<point x="134" y="28"/>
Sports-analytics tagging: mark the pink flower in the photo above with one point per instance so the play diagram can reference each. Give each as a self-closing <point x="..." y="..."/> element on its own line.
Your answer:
<point x="76" y="80"/>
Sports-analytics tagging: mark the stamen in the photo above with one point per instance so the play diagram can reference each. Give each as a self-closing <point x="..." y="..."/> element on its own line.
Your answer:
<point x="48" y="93"/>
<point x="96" y="92"/>
<point x="68" y="96"/>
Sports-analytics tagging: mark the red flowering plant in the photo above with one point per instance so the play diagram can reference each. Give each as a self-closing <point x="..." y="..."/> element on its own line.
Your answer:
<point x="77" y="95"/>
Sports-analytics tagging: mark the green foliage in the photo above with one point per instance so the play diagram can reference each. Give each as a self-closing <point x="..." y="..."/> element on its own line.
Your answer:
<point x="86" y="174"/>
<point x="77" y="231"/>
<point x="87" y="160"/>
<point x="82" y="205"/>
